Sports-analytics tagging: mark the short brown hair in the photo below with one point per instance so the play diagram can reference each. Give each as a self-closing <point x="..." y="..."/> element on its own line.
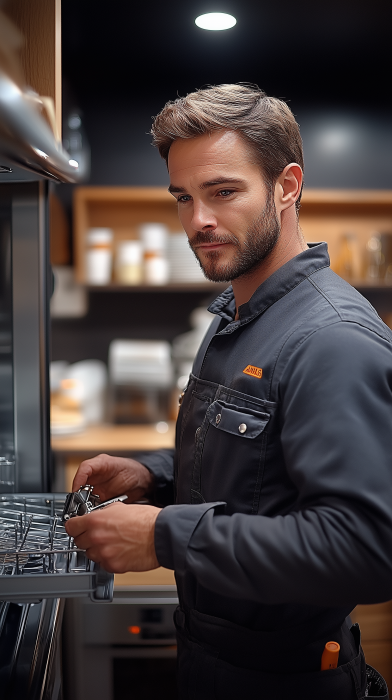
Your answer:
<point x="265" y="123"/>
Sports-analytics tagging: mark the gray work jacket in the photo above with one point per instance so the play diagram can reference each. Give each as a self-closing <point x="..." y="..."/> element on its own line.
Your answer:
<point x="282" y="470"/>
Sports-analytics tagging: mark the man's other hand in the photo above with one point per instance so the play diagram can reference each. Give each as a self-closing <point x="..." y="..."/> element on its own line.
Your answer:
<point x="119" y="537"/>
<point x="114" y="476"/>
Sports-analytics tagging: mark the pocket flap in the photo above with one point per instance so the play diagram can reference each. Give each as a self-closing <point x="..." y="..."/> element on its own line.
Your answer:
<point x="237" y="421"/>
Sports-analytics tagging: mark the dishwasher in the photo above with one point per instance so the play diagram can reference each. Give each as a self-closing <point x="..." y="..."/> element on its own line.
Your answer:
<point x="39" y="567"/>
<point x="39" y="564"/>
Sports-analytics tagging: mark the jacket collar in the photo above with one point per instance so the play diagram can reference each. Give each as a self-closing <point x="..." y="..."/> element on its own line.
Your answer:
<point x="273" y="288"/>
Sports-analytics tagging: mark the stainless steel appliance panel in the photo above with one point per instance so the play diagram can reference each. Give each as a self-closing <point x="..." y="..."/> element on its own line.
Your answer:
<point x="128" y="646"/>
<point x="30" y="334"/>
<point x="7" y="448"/>
<point x="137" y="620"/>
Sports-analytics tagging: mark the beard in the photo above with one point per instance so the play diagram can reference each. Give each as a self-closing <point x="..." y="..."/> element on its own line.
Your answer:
<point x="260" y="239"/>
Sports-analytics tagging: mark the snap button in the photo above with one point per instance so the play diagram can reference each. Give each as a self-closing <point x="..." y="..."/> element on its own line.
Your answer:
<point x="218" y="418"/>
<point x="197" y="432"/>
<point x="243" y="428"/>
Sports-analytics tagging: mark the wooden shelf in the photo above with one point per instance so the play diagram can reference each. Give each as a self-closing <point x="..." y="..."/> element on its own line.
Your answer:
<point x="325" y="215"/>
<point x="214" y="287"/>
<point x="122" y="209"/>
<point x="172" y="287"/>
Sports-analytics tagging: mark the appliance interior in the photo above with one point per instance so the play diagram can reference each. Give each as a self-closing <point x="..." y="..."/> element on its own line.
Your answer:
<point x="39" y="563"/>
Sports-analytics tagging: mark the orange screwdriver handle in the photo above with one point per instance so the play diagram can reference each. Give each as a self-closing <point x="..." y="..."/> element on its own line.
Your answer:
<point x="330" y="656"/>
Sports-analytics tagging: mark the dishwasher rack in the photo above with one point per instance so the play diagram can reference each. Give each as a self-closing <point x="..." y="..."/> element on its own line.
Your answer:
<point x="38" y="559"/>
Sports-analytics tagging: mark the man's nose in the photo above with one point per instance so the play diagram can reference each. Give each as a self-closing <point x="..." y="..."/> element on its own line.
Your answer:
<point x="203" y="217"/>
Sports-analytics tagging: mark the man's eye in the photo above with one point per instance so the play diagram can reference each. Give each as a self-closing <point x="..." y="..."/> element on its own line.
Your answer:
<point x="225" y="193"/>
<point x="184" y="198"/>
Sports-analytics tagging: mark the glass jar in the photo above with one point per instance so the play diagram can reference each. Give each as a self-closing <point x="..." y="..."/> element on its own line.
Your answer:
<point x="374" y="257"/>
<point x="348" y="264"/>
<point x="129" y="268"/>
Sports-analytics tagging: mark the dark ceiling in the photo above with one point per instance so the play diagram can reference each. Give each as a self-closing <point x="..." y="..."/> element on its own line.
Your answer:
<point x="335" y="51"/>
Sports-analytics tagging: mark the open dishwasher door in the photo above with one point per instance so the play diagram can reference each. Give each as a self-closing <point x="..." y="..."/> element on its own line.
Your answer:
<point x="30" y="650"/>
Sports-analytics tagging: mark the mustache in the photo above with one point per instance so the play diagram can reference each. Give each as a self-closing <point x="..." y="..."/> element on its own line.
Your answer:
<point x="201" y="237"/>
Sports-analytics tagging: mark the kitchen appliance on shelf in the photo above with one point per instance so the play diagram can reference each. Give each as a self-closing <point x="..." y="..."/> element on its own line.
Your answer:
<point x="39" y="564"/>
<point x="140" y="381"/>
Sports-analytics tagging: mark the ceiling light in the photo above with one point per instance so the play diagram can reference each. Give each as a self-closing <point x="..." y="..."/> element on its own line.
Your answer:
<point x="73" y="163"/>
<point x="215" y="21"/>
<point x="336" y="139"/>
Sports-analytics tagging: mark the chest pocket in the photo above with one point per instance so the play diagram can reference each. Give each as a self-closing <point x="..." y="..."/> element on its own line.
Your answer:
<point x="229" y="457"/>
<point x="230" y="419"/>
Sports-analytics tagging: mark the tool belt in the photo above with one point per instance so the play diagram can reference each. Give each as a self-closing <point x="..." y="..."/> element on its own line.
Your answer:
<point x="222" y="661"/>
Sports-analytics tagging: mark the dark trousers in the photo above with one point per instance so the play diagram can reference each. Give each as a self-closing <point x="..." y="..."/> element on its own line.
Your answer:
<point x="209" y="671"/>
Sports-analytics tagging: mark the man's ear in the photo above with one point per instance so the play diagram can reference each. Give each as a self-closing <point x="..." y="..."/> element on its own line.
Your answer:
<point x="288" y="186"/>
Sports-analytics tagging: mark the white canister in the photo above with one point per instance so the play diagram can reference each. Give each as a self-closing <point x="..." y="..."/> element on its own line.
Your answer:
<point x="99" y="256"/>
<point x="154" y="236"/>
<point x="156" y="266"/>
<point x="129" y="262"/>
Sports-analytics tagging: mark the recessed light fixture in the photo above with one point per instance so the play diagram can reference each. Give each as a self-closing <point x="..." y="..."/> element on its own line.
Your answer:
<point x="215" y="21"/>
<point x="73" y="163"/>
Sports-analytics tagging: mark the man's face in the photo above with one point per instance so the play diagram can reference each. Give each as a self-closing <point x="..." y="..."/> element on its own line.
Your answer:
<point x="223" y="203"/>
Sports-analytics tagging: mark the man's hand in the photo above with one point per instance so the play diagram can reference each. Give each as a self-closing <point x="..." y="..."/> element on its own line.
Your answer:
<point x="113" y="476"/>
<point x="119" y="537"/>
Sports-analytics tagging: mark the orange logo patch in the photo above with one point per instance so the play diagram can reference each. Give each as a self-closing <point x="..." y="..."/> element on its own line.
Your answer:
<point x="253" y="371"/>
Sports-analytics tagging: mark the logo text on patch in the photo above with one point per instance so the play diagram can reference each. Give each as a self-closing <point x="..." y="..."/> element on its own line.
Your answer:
<point x="253" y="371"/>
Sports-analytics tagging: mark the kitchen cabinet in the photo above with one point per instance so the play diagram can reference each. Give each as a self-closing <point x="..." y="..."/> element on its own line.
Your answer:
<point x="39" y="21"/>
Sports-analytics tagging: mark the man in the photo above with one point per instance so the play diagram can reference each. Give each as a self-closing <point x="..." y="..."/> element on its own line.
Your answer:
<point x="282" y="518"/>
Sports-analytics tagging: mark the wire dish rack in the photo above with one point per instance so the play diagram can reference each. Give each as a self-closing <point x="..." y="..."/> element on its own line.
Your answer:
<point x="38" y="559"/>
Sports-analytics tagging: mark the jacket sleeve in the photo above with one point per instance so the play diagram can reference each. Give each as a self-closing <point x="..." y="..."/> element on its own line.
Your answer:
<point x="161" y="465"/>
<point x="335" y="546"/>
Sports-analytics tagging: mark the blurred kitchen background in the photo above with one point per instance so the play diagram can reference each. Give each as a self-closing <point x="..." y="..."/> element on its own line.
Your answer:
<point x="129" y="304"/>
<point x="127" y="288"/>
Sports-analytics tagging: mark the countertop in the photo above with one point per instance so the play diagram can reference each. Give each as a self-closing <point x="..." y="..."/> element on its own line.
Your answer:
<point x="114" y="438"/>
